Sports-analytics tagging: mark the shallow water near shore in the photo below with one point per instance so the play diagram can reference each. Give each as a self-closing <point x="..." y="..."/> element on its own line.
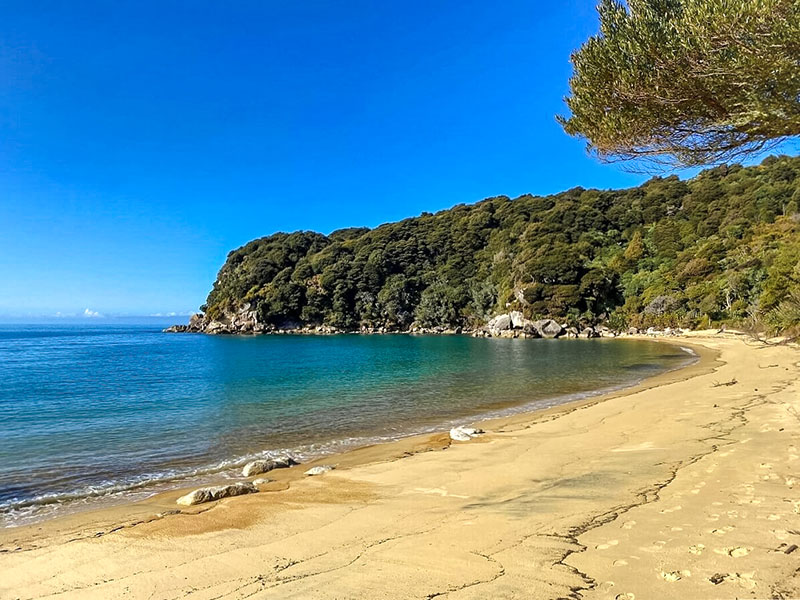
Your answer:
<point x="92" y="415"/>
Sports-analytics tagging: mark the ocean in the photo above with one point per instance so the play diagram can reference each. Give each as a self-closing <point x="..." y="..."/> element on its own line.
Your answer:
<point x="95" y="414"/>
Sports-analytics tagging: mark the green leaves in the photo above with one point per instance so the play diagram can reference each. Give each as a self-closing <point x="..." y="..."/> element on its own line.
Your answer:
<point x="687" y="82"/>
<point x="724" y="246"/>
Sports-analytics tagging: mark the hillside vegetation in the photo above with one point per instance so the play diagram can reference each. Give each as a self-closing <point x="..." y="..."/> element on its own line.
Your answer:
<point x="723" y="247"/>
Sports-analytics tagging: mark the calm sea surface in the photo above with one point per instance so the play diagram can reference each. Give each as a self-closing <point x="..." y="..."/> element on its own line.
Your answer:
<point x="99" y="414"/>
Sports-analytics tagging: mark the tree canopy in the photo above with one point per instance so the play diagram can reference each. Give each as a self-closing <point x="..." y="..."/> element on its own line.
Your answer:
<point x="723" y="247"/>
<point x="687" y="82"/>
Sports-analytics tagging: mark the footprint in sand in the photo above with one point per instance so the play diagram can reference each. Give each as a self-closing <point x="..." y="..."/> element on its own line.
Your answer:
<point x="607" y="585"/>
<point x="744" y="580"/>
<point x="670" y="510"/>
<point x="737" y="552"/>
<point x="765" y="465"/>
<point x="697" y="548"/>
<point x="781" y="534"/>
<point x="607" y="545"/>
<point x="625" y="596"/>
<point x="671" y="576"/>
<point x="722" y="530"/>
<point x="789" y="481"/>
<point x="630" y="524"/>
<point x="620" y="563"/>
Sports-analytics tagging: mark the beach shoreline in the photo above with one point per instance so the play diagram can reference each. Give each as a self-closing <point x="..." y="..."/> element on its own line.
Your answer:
<point x="365" y="476"/>
<point x="135" y="488"/>
<point x="161" y="502"/>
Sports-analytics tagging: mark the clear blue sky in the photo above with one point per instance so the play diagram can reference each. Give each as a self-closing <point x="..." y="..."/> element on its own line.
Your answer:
<point x="141" y="141"/>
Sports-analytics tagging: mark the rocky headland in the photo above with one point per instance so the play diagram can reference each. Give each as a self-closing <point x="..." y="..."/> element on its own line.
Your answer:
<point x="507" y="325"/>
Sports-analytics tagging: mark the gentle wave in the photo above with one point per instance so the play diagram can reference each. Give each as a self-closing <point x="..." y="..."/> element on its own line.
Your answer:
<point x="17" y="512"/>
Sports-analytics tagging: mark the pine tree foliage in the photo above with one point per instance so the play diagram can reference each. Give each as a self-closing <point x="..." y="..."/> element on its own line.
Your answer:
<point x="687" y="82"/>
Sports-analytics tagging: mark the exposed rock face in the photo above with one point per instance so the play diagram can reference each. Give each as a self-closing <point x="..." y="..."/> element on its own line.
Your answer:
<point x="245" y="321"/>
<point x="517" y="320"/>
<point x="319" y="470"/>
<point x="514" y="324"/>
<point x="499" y="323"/>
<point x="265" y="465"/>
<point x="209" y="494"/>
<point x="589" y="332"/>
<point x="529" y="329"/>
<point x="548" y="328"/>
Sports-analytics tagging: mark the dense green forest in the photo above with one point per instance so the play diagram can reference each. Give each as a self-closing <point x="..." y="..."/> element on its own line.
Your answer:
<point x="723" y="247"/>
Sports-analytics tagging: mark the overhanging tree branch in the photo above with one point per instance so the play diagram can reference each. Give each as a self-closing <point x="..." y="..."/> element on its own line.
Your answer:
<point x="687" y="82"/>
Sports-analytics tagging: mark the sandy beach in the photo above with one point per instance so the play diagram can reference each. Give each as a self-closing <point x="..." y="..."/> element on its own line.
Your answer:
<point x="683" y="487"/>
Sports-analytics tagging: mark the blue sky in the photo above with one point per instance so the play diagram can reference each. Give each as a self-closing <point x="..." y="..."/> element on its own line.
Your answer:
<point x="140" y="142"/>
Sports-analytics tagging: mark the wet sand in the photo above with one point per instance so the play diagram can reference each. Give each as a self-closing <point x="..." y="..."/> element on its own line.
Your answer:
<point x="678" y="488"/>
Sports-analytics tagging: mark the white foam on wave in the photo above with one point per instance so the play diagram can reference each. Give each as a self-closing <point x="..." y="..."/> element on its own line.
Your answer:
<point x="17" y="512"/>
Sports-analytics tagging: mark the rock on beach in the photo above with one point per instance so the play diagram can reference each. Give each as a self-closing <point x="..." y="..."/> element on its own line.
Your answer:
<point x="209" y="494"/>
<point x="264" y="465"/>
<point x="319" y="470"/>
<point x="464" y="434"/>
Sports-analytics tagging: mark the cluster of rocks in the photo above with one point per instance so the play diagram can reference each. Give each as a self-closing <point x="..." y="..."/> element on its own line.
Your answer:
<point x="667" y="331"/>
<point x="514" y="324"/>
<point x="254" y="467"/>
<point x="245" y="320"/>
<point x="510" y="325"/>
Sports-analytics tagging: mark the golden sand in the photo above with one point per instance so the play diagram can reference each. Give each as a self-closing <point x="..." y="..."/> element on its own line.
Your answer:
<point x="679" y="488"/>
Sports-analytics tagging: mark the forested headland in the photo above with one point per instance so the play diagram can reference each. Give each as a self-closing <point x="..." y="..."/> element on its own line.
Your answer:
<point x="720" y="248"/>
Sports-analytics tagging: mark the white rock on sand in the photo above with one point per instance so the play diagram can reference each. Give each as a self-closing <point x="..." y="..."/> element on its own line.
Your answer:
<point x="267" y="464"/>
<point x="209" y="494"/>
<point x="320" y="470"/>
<point x="464" y="434"/>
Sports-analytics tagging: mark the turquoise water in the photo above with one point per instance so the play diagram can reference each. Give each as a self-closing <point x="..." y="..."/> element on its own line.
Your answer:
<point x="93" y="414"/>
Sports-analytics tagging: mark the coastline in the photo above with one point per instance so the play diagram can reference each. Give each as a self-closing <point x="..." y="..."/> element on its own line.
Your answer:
<point x="503" y="398"/>
<point x="366" y="475"/>
<point x="161" y="504"/>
